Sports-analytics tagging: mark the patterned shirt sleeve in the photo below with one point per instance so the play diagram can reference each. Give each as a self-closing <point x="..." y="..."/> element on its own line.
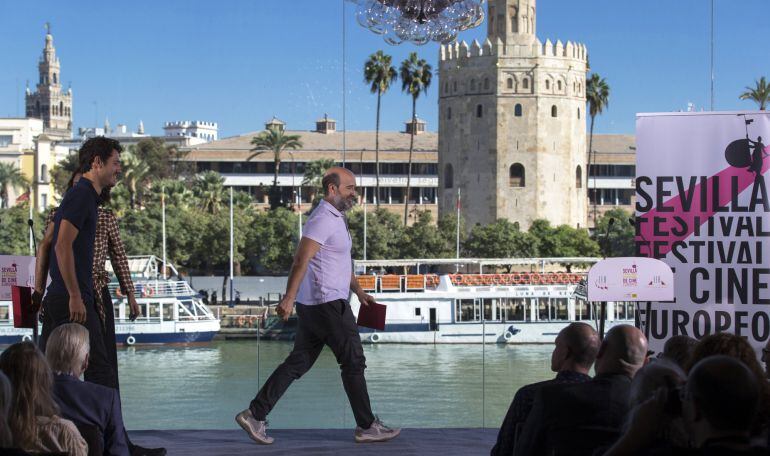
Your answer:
<point x="118" y="255"/>
<point x="49" y="220"/>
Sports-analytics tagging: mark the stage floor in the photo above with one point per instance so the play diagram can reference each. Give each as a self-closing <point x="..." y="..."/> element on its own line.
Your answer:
<point x="319" y="442"/>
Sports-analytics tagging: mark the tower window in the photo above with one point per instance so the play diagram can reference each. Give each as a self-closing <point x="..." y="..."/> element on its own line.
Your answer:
<point x="486" y="83"/>
<point x="61" y="108"/>
<point x="510" y="83"/>
<point x="517" y="110"/>
<point x="44" y="173"/>
<point x="578" y="177"/>
<point x="449" y="113"/>
<point x="578" y="113"/>
<point x="446" y="87"/>
<point x="454" y="86"/>
<point x="55" y="78"/>
<point x="448" y="176"/>
<point x="547" y="84"/>
<point x="479" y="111"/>
<point x="473" y="84"/>
<point x="525" y="83"/>
<point x="558" y="85"/>
<point x="516" y="176"/>
<point x="554" y="112"/>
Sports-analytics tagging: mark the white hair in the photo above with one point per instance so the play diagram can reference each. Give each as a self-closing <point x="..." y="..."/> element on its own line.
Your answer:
<point x="67" y="348"/>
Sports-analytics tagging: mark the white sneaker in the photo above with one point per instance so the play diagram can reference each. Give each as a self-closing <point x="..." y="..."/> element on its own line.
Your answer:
<point x="257" y="430"/>
<point x="377" y="432"/>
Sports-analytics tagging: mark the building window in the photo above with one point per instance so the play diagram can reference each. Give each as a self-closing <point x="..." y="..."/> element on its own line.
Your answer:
<point x="547" y="84"/>
<point x="517" y="110"/>
<point x="516" y="175"/>
<point x="448" y="176"/>
<point x="578" y="113"/>
<point x="446" y="87"/>
<point x="44" y="173"/>
<point x="61" y="108"/>
<point x="479" y="111"/>
<point x="44" y="201"/>
<point x="578" y="177"/>
<point x="55" y="78"/>
<point x="454" y="86"/>
<point x="486" y="83"/>
<point x="558" y="85"/>
<point x="525" y="83"/>
<point x="554" y="112"/>
<point x="510" y="83"/>
<point x="449" y="113"/>
<point x="473" y="84"/>
<point x="6" y="140"/>
<point x="417" y="311"/>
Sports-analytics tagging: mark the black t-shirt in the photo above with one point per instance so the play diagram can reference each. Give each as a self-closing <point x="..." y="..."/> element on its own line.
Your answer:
<point x="79" y="208"/>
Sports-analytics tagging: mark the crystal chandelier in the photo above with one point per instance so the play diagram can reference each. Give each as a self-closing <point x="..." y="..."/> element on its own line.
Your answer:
<point x="419" y="21"/>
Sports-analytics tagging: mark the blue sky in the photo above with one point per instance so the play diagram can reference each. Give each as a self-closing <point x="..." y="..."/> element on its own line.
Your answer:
<point x="239" y="62"/>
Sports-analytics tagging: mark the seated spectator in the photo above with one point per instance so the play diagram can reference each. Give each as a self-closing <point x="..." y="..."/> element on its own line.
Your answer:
<point x="678" y="349"/>
<point x="572" y="358"/>
<point x="85" y="403"/>
<point x="737" y="347"/>
<point x="34" y="420"/>
<point x="718" y="405"/>
<point x="577" y="419"/>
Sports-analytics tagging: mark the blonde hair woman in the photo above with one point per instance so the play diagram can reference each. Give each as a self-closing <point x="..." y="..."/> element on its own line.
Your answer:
<point x="34" y="420"/>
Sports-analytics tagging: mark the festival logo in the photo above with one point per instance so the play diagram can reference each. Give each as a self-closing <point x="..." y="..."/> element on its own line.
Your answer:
<point x="8" y="275"/>
<point x="630" y="276"/>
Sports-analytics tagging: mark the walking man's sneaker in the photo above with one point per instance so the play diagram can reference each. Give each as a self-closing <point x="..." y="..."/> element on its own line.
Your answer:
<point x="377" y="432"/>
<point x="257" y="430"/>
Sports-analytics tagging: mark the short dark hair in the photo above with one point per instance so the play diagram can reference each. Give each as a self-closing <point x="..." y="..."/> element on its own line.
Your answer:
<point x="582" y="341"/>
<point x="679" y="349"/>
<point x="98" y="146"/>
<point x="726" y="391"/>
<point x="331" y="178"/>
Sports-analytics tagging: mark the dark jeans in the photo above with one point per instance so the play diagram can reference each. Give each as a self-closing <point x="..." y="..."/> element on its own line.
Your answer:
<point x="331" y="324"/>
<point x="109" y="333"/>
<point x="57" y="313"/>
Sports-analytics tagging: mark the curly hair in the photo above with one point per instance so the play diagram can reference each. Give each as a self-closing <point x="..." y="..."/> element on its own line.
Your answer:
<point x="98" y="146"/>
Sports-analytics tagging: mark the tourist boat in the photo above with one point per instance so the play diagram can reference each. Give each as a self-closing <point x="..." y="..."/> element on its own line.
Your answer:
<point x="451" y="308"/>
<point x="172" y="312"/>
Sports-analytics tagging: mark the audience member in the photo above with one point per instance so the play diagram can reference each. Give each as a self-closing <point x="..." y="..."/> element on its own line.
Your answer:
<point x="766" y="357"/>
<point x="34" y="420"/>
<point x="84" y="403"/>
<point x="718" y="405"/>
<point x="6" y="396"/>
<point x="678" y="349"/>
<point x="577" y="419"/>
<point x="739" y="348"/>
<point x="572" y="358"/>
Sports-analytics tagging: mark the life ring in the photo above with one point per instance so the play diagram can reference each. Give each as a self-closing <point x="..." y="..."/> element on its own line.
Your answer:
<point x="241" y="321"/>
<point x="26" y="338"/>
<point x="374" y="338"/>
<point x="130" y="340"/>
<point x="148" y="291"/>
<point x="508" y="336"/>
<point x="524" y="278"/>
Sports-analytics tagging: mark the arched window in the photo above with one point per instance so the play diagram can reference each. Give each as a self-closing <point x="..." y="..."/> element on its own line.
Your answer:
<point x="554" y="112"/>
<point x="510" y="83"/>
<point x="449" y="113"/>
<point x="473" y="84"/>
<point x="558" y="85"/>
<point x="55" y="78"/>
<point x="516" y="177"/>
<point x="525" y="83"/>
<point x="448" y="176"/>
<point x="44" y="173"/>
<point x="454" y="86"/>
<point x="479" y="111"/>
<point x="517" y="110"/>
<point x="578" y="177"/>
<point x="486" y="83"/>
<point x="61" y="108"/>
<point x="53" y="110"/>
<point x="547" y="84"/>
<point x="446" y="87"/>
<point x="578" y="113"/>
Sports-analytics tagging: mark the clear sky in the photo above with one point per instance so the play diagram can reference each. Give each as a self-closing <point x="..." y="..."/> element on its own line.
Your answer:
<point x="239" y="62"/>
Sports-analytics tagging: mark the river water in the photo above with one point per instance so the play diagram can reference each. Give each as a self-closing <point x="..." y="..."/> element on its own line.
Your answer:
<point x="203" y="387"/>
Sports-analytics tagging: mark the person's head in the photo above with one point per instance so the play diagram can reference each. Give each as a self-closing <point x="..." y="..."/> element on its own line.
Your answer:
<point x="660" y="374"/>
<point x="623" y="351"/>
<point x="31" y="380"/>
<point x="99" y="159"/>
<point x="576" y="348"/>
<point x="721" y="395"/>
<point x="678" y="350"/>
<point x="6" y="397"/>
<point x="67" y="349"/>
<point x="339" y="186"/>
<point x="729" y="345"/>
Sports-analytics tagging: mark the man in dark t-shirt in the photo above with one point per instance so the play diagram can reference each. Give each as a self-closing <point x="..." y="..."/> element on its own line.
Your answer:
<point x="70" y="295"/>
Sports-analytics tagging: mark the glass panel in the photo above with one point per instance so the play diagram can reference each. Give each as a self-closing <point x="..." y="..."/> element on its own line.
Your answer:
<point x="559" y="309"/>
<point x="582" y="310"/>
<point x="542" y="309"/>
<point x="488" y="309"/>
<point x="168" y="311"/>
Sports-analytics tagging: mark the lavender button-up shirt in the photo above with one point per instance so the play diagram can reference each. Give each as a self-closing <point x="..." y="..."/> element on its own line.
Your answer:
<point x="329" y="271"/>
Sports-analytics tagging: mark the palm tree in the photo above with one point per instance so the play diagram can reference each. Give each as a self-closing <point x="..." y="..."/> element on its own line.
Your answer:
<point x="759" y="94"/>
<point x="314" y="173"/>
<point x="209" y="188"/>
<point x="10" y="177"/>
<point x="135" y="170"/>
<point x="380" y="74"/>
<point x="597" y="96"/>
<point x="275" y="140"/>
<point x="415" y="79"/>
<point x="176" y="192"/>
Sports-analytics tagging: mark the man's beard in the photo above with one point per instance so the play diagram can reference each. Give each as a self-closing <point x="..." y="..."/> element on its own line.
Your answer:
<point x="343" y="204"/>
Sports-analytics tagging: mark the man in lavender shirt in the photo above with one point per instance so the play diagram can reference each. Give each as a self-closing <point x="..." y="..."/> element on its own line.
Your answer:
<point x="320" y="282"/>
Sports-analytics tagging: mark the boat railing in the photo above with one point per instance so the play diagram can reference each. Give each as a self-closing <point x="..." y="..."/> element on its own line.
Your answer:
<point x="420" y="282"/>
<point x="157" y="288"/>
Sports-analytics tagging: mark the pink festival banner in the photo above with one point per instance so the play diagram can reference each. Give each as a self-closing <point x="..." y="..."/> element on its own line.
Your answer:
<point x="15" y="270"/>
<point x="702" y="207"/>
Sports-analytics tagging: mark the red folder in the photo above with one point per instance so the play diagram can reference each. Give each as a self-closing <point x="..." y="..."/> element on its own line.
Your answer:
<point x="372" y="316"/>
<point x="23" y="317"/>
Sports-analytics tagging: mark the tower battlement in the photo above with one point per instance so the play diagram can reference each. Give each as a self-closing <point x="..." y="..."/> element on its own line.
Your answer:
<point x="460" y="50"/>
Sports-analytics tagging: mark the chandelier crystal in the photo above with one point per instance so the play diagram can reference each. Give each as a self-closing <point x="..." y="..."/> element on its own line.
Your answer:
<point x="419" y="21"/>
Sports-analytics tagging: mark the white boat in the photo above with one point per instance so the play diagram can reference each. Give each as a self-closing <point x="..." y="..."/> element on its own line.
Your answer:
<point x="515" y="308"/>
<point x="172" y="312"/>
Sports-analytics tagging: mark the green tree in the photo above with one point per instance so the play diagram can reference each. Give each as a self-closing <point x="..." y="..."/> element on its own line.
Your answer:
<point x="163" y="160"/>
<point x="618" y="239"/>
<point x="14" y="235"/>
<point x="313" y="176"/>
<point x="416" y="76"/>
<point x="120" y="199"/>
<point x="62" y="172"/>
<point x="447" y="226"/>
<point x="135" y="174"/>
<point x="276" y="141"/>
<point x="379" y="74"/>
<point x="208" y="188"/>
<point x="272" y="240"/>
<point x="423" y="240"/>
<point x="597" y="97"/>
<point x="501" y="239"/>
<point x="760" y="93"/>
<point x="384" y="234"/>
<point x="10" y="177"/>
<point x="177" y="193"/>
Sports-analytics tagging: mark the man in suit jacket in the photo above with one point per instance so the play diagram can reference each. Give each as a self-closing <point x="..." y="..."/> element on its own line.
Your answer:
<point x="84" y="403"/>
<point x="573" y="355"/>
<point x="577" y="419"/>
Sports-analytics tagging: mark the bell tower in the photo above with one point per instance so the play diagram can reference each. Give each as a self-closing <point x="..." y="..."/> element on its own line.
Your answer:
<point x="512" y="21"/>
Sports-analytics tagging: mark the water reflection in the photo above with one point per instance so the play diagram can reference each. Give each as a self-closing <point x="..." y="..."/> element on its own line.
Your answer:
<point x="409" y="385"/>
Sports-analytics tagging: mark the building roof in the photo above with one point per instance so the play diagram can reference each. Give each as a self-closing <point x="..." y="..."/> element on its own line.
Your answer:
<point x="394" y="147"/>
<point x="614" y="149"/>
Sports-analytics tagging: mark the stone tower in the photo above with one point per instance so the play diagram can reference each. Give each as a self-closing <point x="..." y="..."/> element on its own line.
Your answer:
<point x="512" y="124"/>
<point x="49" y="102"/>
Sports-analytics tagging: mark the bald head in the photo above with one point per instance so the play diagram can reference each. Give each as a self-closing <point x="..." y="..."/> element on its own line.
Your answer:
<point x="623" y="351"/>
